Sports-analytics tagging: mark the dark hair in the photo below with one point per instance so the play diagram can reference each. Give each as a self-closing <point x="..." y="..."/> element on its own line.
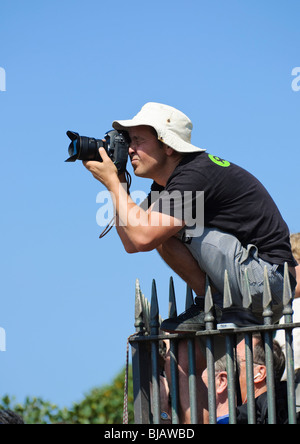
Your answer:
<point x="154" y="132"/>
<point x="9" y="417"/>
<point x="259" y="356"/>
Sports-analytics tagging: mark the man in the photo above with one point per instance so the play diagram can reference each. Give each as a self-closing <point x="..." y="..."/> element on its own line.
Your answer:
<point x="259" y="384"/>
<point x="242" y="225"/>
<point x="221" y="383"/>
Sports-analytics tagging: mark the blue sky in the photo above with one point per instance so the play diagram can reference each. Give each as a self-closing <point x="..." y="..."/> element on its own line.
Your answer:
<point x="66" y="297"/>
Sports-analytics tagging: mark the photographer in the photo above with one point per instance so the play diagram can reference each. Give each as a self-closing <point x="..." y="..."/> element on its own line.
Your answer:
<point x="242" y="226"/>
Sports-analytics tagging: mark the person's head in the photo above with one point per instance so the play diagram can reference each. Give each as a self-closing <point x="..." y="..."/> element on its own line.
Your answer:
<point x="259" y="370"/>
<point x="160" y="136"/>
<point x="10" y="417"/>
<point x="151" y="158"/>
<point x="221" y="385"/>
<point x="259" y="365"/>
<point x="295" y="242"/>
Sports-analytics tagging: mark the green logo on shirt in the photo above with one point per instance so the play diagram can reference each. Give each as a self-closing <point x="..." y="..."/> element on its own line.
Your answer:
<point x="221" y="162"/>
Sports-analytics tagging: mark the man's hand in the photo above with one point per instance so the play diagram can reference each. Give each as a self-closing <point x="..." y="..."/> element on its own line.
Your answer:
<point x="106" y="172"/>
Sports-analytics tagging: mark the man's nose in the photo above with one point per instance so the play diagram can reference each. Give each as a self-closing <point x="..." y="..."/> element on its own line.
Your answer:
<point x="131" y="149"/>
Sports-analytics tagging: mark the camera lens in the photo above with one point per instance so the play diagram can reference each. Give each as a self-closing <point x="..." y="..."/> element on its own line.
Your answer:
<point x="73" y="148"/>
<point x="89" y="148"/>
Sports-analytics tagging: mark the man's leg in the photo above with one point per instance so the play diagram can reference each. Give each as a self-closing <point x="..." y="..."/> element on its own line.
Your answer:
<point x="178" y="257"/>
<point x="214" y="252"/>
<point x="181" y="261"/>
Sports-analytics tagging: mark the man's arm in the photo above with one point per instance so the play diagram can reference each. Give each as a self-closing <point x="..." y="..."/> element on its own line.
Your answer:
<point x="128" y="245"/>
<point x="139" y="230"/>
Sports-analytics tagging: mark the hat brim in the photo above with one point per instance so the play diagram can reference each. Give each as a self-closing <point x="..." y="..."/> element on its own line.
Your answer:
<point x="168" y="137"/>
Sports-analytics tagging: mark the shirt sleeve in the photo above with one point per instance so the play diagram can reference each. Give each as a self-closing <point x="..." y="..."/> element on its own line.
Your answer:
<point x="154" y="190"/>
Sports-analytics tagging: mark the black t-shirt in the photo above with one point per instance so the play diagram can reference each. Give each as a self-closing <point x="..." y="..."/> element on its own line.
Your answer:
<point x="234" y="202"/>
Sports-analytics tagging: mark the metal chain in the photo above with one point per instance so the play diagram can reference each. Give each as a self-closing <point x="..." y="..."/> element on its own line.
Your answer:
<point x="125" y="405"/>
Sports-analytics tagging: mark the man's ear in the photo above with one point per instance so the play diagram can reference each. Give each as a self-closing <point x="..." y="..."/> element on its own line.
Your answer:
<point x="260" y="374"/>
<point x="168" y="150"/>
<point x="221" y="382"/>
<point x="171" y="152"/>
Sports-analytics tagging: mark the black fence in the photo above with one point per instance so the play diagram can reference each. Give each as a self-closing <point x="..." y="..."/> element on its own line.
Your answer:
<point x="150" y="348"/>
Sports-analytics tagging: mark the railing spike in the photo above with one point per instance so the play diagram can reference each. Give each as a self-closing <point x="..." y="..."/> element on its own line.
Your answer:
<point x="146" y="312"/>
<point x="267" y="299"/>
<point x="208" y="307"/>
<point x="189" y="299"/>
<point x="139" y="322"/>
<point x="287" y="294"/>
<point x="172" y="300"/>
<point x="154" y="311"/>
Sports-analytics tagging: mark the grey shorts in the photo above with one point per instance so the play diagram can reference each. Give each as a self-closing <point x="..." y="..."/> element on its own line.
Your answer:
<point x="216" y="251"/>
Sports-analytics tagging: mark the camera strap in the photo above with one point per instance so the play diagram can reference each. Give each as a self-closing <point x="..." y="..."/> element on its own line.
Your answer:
<point x="107" y="229"/>
<point x="111" y="223"/>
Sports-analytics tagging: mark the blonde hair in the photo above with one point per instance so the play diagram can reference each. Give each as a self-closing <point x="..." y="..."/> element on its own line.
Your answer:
<point x="295" y="242"/>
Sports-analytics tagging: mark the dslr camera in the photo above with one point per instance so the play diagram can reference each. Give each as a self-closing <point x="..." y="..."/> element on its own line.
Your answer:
<point x="116" y="145"/>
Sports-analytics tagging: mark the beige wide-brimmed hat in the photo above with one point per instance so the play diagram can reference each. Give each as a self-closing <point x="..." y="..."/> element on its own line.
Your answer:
<point x="172" y="126"/>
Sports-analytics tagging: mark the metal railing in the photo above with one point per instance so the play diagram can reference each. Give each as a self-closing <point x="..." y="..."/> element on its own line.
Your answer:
<point x="148" y="344"/>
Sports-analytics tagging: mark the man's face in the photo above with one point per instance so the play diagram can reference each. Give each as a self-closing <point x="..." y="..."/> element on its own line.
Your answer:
<point x="146" y="153"/>
<point x="259" y="370"/>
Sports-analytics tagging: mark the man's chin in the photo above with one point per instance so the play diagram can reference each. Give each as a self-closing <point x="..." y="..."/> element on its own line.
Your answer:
<point x="135" y="169"/>
<point x="139" y="173"/>
<point x="136" y="173"/>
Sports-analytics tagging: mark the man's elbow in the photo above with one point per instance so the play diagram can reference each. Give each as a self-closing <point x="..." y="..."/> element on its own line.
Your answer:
<point x="144" y="245"/>
<point x="130" y="249"/>
<point x="149" y="243"/>
<point x="139" y="245"/>
<point x="139" y="248"/>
